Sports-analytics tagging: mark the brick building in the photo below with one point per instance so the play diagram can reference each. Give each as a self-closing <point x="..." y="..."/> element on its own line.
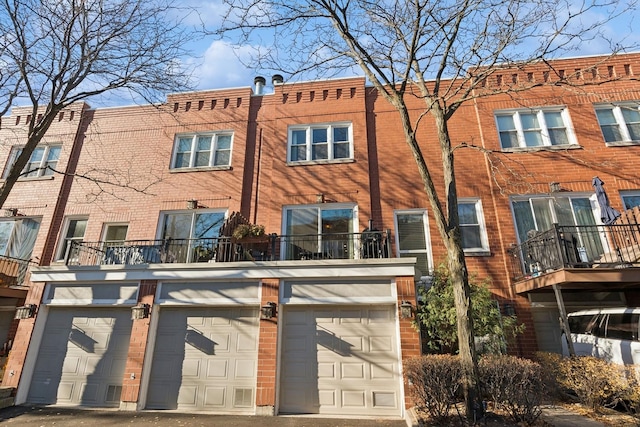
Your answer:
<point x="145" y="297"/>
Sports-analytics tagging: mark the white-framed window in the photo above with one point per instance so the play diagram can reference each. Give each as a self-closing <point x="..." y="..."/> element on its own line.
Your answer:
<point x="42" y="162"/>
<point x="320" y="231"/>
<point x="541" y="127"/>
<point x="412" y="238"/>
<point x="472" y="226"/>
<point x="18" y="236"/>
<point x="619" y="123"/>
<point x="630" y="199"/>
<point x="202" y="150"/>
<point x="320" y="142"/>
<point x="74" y="230"/>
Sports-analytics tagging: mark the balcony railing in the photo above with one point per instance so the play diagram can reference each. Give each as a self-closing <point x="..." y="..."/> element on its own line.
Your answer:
<point x="271" y="247"/>
<point x="577" y="246"/>
<point x="13" y="271"/>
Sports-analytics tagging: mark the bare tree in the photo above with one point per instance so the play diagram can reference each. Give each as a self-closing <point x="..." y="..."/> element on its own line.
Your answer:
<point x="57" y="52"/>
<point x="438" y="51"/>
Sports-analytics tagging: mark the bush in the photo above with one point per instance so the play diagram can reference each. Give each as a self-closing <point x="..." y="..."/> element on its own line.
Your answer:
<point x="514" y="384"/>
<point x="596" y="382"/>
<point x="551" y="363"/>
<point x="434" y="384"/>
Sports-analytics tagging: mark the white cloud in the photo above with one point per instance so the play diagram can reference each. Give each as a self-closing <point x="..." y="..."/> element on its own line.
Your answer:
<point x="223" y="65"/>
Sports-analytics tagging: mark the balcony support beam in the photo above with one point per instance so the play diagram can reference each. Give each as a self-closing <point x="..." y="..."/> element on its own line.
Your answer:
<point x="564" y="321"/>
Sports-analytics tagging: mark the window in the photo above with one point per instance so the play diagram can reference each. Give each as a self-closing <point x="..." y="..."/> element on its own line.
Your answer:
<point x="42" y="162"/>
<point x="534" y="128"/>
<point x="193" y="233"/>
<point x="74" y="231"/>
<point x="619" y="123"/>
<point x="472" y="228"/>
<point x="630" y="199"/>
<point x="320" y="231"/>
<point x="320" y="142"/>
<point x="114" y="234"/>
<point x="412" y="238"/>
<point x="202" y="150"/>
<point x="18" y="237"/>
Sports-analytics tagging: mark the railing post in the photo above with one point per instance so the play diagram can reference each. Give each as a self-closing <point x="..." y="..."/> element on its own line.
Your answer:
<point x="559" y="246"/>
<point x="68" y="251"/>
<point x="272" y="244"/>
<point x="387" y="243"/>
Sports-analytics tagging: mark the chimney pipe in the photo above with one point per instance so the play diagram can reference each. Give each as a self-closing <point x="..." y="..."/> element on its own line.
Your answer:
<point x="277" y="79"/>
<point x="259" y="82"/>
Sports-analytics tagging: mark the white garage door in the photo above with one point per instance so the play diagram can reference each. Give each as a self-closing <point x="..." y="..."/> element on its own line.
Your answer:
<point x="205" y="359"/>
<point x="340" y="360"/>
<point x="82" y="357"/>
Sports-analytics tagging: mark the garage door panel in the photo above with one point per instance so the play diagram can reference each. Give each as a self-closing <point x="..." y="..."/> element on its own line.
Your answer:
<point x="345" y="361"/>
<point x="213" y="351"/>
<point x="82" y="356"/>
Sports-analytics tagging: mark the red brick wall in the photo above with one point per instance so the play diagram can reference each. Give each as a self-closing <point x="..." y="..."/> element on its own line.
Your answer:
<point x="409" y="336"/>
<point x="267" y="348"/>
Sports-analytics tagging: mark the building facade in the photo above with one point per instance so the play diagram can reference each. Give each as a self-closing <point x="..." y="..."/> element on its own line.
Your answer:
<point x="147" y="295"/>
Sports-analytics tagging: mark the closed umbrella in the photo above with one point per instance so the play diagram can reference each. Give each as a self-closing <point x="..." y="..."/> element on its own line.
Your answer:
<point x="608" y="215"/>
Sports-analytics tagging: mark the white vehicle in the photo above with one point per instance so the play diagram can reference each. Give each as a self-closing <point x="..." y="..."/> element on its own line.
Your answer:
<point x="608" y="333"/>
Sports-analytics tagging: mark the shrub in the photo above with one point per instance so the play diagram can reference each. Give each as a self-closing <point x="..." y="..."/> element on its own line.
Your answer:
<point x="434" y="384"/>
<point x="551" y="372"/>
<point x="596" y="382"/>
<point x="514" y="384"/>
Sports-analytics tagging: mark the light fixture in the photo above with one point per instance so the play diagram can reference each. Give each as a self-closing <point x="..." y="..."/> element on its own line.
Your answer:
<point x="268" y="310"/>
<point x="554" y="187"/>
<point x="140" y="311"/>
<point x="27" y="311"/>
<point x="11" y="212"/>
<point x="320" y="198"/>
<point x="192" y="204"/>
<point x="406" y="309"/>
<point x="509" y="309"/>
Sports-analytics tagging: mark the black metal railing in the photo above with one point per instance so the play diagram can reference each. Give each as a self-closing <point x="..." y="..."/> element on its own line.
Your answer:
<point x="272" y="247"/>
<point x="576" y="246"/>
<point x="13" y="271"/>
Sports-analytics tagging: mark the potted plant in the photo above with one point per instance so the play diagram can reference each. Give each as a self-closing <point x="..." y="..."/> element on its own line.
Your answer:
<point x="248" y="231"/>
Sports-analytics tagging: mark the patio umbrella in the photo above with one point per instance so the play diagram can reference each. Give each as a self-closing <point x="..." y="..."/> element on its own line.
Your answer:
<point x="608" y="215"/>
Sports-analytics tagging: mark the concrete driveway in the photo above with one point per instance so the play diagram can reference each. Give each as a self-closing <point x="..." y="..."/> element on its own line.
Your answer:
<point x="47" y="416"/>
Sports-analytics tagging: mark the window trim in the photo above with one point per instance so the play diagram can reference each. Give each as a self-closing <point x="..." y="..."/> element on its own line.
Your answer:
<point x="484" y="237"/>
<point x="105" y="229"/>
<point x="616" y="109"/>
<point x="544" y="129"/>
<point x="427" y="235"/>
<point x="628" y="193"/>
<point x="309" y="144"/>
<point x="14" y="153"/>
<point x="192" y="158"/>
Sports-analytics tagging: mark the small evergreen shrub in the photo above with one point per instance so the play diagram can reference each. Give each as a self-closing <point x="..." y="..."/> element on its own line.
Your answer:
<point x="514" y="384"/>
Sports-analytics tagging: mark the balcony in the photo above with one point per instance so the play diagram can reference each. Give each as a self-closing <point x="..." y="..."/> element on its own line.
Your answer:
<point x="578" y="257"/>
<point x="271" y="247"/>
<point x="13" y="271"/>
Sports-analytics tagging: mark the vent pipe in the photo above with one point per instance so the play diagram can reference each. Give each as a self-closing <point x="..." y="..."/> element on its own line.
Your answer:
<point x="259" y="83"/>
<point x="277" y="79"/>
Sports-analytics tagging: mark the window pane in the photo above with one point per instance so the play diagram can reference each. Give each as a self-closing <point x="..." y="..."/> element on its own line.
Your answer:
<point x="630" y="114"/>
<point x="558" y="137"/>
<point x="182" y="160"/>
<point x="202" y="158"/>
<point x="116" y="233"/>
<point x="606" y="117"/>
<point x="319" y="152"/>
<point x="509" y="139"/>
<point x="5" y="235"/>
<point x="341" y="151"/>
<point x="319" y="135"/>
<point x="533" y="138"/>
<point x="623" y="326"/>
<point x="302" y="221"/>
<point x="554" y="119"/>
<point x="299" y="137"/>
<point x="336" y="220"/>
<point x="611" y="133"/>
<point x="470" y="236"/>
<point x="467" y="213"/>
<point x="208" y="225"/>
<point x="204" y="143"/>
<point x="634" y="131"/>
<point x="529" y="121"/>
<point x="76" y="228"/>
<point x="184" y="144"/>
<point x="224" y="142"/>
<point x="177" y="226"/>
<point x="524" y="218"/>
<point x="411" y="234"/>
<point x="631" y="201"/>
<point x="506" y="123"/>
<point x="222" y="158"/>
<point x="340" y="134"/>
<point x="298" y="153"/>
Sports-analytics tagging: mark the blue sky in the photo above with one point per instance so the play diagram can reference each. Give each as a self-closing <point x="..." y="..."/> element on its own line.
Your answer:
<point x="218" y="64"/>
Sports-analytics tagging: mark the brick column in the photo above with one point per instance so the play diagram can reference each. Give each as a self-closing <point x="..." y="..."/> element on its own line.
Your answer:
<point x="409" y="335"/>
<point x="18" y="353"/>
<point x="137" y="349"/>
<point x="267" y="353"/>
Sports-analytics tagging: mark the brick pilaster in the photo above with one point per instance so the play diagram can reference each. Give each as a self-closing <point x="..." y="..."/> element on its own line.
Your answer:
<point x="409" y="335"/>
<point x="138" y="346"/>
<point x="267" y="349"/>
